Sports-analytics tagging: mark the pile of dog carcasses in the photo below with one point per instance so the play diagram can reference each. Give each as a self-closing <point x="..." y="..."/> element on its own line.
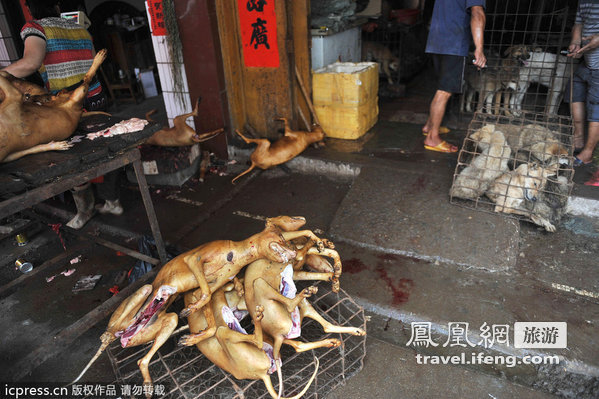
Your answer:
<point x="222" y="282"/>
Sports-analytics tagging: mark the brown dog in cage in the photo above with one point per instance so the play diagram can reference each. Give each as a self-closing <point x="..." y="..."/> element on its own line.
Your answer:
<point x="513" y="58"/>
<point x="484" y="168"/>
<point x="486" y="83"/>
<point x="230" y="347"/>
<point x="513" y="189"/>
<point x="374" y="51"/>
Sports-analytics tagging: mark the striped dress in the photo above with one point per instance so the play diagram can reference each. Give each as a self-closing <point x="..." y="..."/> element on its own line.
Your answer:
<point x="69" y="53"/>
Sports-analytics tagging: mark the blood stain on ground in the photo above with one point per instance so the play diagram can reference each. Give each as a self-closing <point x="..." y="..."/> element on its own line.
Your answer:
<point x="400" y="289"/>
<point x="353" y="266"/>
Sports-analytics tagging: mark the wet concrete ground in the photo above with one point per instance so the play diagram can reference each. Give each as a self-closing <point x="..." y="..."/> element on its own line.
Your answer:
<point x="408" y="255"/>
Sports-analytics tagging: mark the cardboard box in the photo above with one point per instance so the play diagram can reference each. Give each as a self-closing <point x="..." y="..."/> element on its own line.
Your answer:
<point x="345" y="97"/>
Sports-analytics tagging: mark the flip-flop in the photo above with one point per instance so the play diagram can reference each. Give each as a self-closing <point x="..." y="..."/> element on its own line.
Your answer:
<point x="442" y="130"/>
<point x="443" y="146"/>
<point x="579" y="162"/>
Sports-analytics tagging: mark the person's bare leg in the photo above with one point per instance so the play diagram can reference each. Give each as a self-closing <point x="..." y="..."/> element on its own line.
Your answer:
<point x="436" y="113"/>
<point x="586" y="155"/>
<point x="577" y="110"/>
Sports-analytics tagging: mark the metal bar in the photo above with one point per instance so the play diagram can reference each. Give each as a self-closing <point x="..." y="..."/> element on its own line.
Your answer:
<point x="145" y="195"/>
<point x="100" y="241"/>
<point x="56" y="344"/>
<point x="130" y="252"/>
<point x="32" y="197"/>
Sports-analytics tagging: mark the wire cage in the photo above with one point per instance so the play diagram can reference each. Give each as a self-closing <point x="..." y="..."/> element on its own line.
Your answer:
<point x="185" y="372"/>
<point x="526" y="71"/>
<point x="396" y="39"/>
<point x="520" y="167"/>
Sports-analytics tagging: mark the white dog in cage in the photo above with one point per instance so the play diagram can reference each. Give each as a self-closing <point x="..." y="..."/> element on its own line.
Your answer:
<point x="476" y="178"/>
<point x="544" y="68"/>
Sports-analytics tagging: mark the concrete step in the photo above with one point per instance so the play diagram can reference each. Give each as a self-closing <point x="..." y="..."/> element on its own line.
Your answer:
<point x="390" y="372"/>
<point x="398" y="291"/>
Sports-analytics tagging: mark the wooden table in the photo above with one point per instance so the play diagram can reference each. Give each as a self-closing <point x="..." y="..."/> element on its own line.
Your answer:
<point x="35" y="178"/>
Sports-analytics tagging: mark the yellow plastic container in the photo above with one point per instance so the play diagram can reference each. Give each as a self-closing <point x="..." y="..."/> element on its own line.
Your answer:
<point x="345" y="97"/>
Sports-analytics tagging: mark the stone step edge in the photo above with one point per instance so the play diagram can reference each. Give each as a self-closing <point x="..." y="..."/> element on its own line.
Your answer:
<point x="570" y="375"/>
<point x="576" y="206"/>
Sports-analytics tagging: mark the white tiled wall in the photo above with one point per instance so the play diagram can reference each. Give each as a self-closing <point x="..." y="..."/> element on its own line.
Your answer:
<point x="171" y="98"/>
<point x="8" y="52"/>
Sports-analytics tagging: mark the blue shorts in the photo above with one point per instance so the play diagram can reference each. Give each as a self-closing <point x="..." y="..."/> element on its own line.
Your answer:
<point x="450" y="72"/>
<point x="585" y="89"/>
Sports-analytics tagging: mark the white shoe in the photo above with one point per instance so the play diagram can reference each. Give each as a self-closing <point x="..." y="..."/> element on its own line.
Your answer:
<point x="84" y="201"/>
<point x="110" y="207"/>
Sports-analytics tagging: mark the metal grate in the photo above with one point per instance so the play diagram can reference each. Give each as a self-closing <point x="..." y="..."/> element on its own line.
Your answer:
<point x="520" y="167"/>
<point x="525" y="71"/>
<point x="186" y="373"/>
<point x="396" y="39"/>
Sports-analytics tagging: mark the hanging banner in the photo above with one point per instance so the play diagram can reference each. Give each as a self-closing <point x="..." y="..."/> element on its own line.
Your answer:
<point x="258" y="22"/>
<point x="26" y="13"/>
<point x="156" y="17"/>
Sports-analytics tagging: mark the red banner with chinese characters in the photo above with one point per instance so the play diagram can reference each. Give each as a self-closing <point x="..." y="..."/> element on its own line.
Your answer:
<point x="258" y="22"/>
<point x="26" y="13"/>
<point x="157" y="17"/>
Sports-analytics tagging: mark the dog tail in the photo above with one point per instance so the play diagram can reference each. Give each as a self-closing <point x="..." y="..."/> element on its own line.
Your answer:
<point x="275" y="395"/>
<point x="105" y="342"/>
<point x="151" y="112"/>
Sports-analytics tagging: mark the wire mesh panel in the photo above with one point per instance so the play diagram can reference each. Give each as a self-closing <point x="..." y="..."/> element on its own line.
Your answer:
<point x="396" y="39"/>
<point x="186" y="373"/>
<point x="519" y="167"/>
<point x="526" y="72"/>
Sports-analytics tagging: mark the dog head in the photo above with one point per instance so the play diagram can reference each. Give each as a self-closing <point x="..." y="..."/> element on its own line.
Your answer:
<point x="533" y="179"/>
<point x="487" y="135"/>
<point x="521" y="53"/>
<point x="484" y="134"/>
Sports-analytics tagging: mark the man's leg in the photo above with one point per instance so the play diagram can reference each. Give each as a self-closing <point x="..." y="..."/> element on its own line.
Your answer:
<point x="578" y="117"/>
<point x="586" y="155"/>
<point x="592" y="112"/>
<point x="436" y="114"/>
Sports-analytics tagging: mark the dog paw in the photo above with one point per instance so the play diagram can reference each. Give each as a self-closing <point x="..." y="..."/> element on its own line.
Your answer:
<point x="328" y="244"/>
<point x="337" y="268"/>
<point x="185" y="312"/>
<point x="308" y="292"/>
<point x="185" y="340"/>
<point x="335" y="286"/>
<point x="550" y="228"/>
<point x="333" y="343"/>
<point x="320" y="245"/>
<point x="359" y="332"/>
<point x="259" y="312"/>
<point x="59" y="145"/>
